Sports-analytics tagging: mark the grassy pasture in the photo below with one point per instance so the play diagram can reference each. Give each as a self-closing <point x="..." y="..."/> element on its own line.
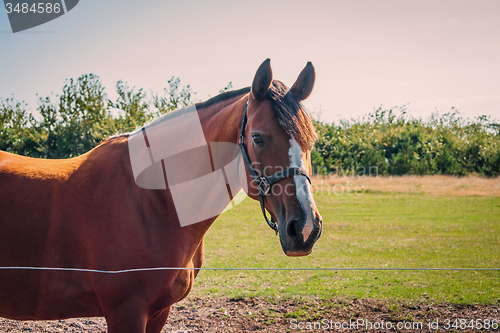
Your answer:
<point x="371" y="229"/>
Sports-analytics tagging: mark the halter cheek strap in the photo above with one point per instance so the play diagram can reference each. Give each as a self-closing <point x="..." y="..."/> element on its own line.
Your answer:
<point x="263" y="183"/>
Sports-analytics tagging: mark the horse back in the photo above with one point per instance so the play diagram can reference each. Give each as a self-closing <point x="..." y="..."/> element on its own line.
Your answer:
<point x="31" y="196"/>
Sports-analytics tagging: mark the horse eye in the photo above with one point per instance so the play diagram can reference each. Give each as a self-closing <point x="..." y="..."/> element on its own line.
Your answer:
<point x="257" y="139"/>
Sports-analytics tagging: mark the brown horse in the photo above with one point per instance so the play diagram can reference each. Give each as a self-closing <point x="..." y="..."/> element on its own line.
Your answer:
<point x="88" y="212"/>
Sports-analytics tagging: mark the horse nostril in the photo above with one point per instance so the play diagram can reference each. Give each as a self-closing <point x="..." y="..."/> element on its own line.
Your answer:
<point x="292" y="229"/>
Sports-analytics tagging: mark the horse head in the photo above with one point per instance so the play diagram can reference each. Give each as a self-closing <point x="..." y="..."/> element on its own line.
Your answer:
<point x="278" y="136"/>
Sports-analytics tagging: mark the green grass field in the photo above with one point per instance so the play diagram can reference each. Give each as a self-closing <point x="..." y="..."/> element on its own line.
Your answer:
<point x="369" y="230"/>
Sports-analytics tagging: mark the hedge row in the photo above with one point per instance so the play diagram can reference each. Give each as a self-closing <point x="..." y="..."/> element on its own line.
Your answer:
<point x="390" y="142"/>
<point x="386" y="142"/>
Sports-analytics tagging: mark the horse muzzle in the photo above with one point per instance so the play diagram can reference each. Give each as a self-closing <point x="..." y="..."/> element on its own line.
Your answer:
<point x="297" y="236"/>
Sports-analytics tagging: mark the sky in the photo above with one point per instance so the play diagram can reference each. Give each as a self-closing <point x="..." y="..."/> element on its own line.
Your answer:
<point x="427" y="55"/>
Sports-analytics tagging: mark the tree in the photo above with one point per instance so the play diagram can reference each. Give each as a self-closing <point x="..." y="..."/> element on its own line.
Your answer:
<point x="83" y="119"/>
<point x="17" y="132"/>
<point x="133" y="105"/>
<point x="175" y="97"/>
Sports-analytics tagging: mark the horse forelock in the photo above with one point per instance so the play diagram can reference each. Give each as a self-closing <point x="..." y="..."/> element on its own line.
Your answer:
<point x="292" y="116"/>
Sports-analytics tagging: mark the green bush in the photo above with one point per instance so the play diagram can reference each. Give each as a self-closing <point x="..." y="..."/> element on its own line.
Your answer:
<point x="385" y="142"/>
<point x="401" y="145"/>
<point x="81" y="117"/>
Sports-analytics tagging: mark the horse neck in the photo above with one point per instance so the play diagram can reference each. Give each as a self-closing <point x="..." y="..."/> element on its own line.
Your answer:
<point x="220" y="123"/>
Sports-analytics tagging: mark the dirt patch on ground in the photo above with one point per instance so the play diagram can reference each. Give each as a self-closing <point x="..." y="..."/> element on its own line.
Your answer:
<point x="261" y="315"/>
<point x="432" y="185"/>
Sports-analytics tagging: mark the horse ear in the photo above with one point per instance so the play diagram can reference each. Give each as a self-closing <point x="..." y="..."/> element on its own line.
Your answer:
<point x="262" y="80"/>
<point x="305" y="82"/>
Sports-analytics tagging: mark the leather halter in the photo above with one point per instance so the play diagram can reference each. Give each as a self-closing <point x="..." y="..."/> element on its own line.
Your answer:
<point x="264" y="184"/>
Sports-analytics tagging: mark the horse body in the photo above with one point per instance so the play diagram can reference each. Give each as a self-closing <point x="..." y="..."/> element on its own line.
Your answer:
<point x="87" y="212"/>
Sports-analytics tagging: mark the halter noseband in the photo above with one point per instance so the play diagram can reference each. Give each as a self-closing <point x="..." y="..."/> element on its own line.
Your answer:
<point x="263" y="183"/>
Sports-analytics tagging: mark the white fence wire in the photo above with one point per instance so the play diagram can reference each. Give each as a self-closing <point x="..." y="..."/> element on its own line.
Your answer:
<point x="252" y="269"/>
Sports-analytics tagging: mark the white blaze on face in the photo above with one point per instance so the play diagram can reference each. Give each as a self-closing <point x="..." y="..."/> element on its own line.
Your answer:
<point x="302" y="187"/>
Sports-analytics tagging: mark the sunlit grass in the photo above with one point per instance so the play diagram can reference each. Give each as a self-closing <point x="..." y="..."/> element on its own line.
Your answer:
<point x="370" y="230"/>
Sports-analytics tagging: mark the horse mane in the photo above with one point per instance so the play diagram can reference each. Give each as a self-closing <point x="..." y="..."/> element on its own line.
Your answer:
<point x="291" y="114"/>
<point x="222" y="97"/>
